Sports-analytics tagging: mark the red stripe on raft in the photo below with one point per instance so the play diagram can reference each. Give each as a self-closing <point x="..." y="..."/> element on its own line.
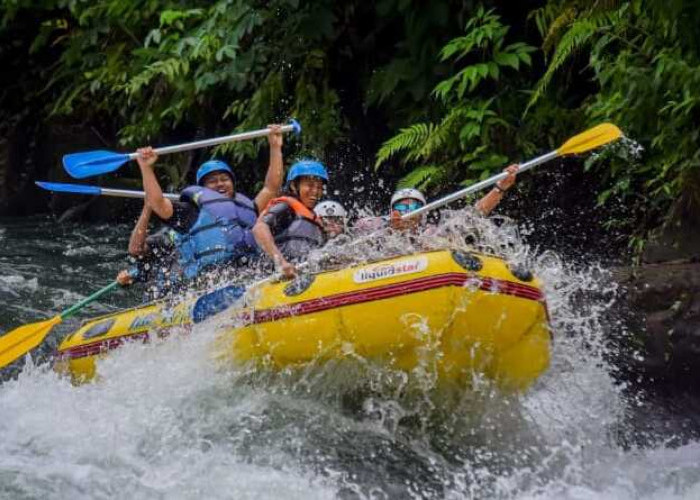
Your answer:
<point x="393" y="290"/>
<point x="100" y="346"/>
<point x="339" y="300"/>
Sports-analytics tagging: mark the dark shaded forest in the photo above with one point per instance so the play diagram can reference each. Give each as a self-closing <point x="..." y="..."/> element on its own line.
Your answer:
<point x="426" y="94"/>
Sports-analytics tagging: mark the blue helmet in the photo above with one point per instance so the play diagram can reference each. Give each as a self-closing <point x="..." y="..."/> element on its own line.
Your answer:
<point x="310" y="168"/>
<point x="210" y="166"/>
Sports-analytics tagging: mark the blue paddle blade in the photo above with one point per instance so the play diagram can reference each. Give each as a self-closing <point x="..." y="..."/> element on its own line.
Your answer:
<point x="214" y="302"/>
<point x="91" y="163"/>
<point x="296" y="126"/>
<point x="60" y="187"/>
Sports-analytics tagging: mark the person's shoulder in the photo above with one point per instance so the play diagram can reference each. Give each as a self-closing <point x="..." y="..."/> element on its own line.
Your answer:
<point x="184" y="216"/>
<point x="183" y="208"/>
<point x="242" y="201"/>
<point x="429" y="230"/>
<point x="189" y="194"/>
<point x="181" y="205"/>
<point x="367" y="224"/>
<point x="279" y="207"/>
<point x="243" y="198"/>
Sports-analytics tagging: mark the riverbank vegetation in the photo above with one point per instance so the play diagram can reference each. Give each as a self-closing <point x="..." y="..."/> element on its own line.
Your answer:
<point x="432" y="94"/>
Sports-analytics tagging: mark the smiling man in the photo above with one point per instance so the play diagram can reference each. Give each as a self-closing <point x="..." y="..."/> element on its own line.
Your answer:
<point x="211" y="223"/>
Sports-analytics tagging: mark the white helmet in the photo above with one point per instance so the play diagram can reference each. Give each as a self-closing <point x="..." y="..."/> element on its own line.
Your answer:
<point x="410" y="193"/>
<point x="330" y="209"/>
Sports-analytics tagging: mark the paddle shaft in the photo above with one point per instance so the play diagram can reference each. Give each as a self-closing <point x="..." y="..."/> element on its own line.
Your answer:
<point x="480" y="185"/>
<point x="125" y="193"/>
<point x="21" y="340"/>
<point x="243" y="136"/>
<point x="99" y="293"/>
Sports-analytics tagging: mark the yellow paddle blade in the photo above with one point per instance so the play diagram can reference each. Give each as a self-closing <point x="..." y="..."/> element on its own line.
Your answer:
<point x="18" y="342"/>
<point x="590" y="139"/>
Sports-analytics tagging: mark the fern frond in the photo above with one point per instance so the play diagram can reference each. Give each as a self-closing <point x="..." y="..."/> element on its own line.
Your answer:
<point x="170" y="69"/>
<point x="579" y="34"/>
<point x="439" y="138"/>
<point x="543" y="17"/>
<point x="482" y="29"/>
<point x="419" y="177"/>
<point x="561" y="22"/>
<point x="408" y="139"/>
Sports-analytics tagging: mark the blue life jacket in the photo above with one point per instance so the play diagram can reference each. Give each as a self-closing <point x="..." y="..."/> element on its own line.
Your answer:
<point x="221" y="233"/>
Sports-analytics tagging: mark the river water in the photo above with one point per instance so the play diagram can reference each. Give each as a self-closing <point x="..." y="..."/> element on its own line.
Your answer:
<point x="165" y="422"/>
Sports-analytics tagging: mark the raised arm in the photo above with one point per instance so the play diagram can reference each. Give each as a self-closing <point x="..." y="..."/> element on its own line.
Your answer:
<point x="154" y="194"/>
<point x="486" y="204"/>
<point x="275" y="171"/>
<point x="137" y="241"/>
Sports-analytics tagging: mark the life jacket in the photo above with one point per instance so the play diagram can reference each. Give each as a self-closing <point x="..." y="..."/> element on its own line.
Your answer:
<point x="304" y="233"/>
<point x="221" y="233"/>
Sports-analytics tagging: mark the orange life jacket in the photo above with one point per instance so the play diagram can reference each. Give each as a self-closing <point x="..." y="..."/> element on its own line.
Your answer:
<point x="304" y="233"/>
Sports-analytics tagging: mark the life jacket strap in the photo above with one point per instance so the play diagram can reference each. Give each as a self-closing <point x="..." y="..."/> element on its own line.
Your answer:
<point x="211" y="251"/>
<point x="203" y="228"/>
<point x="297" y="207"/>
<point x="228" y="200"/>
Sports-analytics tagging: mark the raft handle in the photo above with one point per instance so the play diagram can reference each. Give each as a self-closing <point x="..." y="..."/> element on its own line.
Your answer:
<point x="299" y="285"/>
<point x="520" y="272"/>
<point x="467" y="261"/>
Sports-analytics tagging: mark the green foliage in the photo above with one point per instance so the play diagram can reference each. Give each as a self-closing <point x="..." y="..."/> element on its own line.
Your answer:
<point x="407" y="140"/>
<point x="210" y="67"/>
<point x="420" y="177"/>
<point x="580" y="30"/>
<point x="161" y="65"/>
<point x="466" y="142"/>
<point x="465" y="90"/>
<point x="402" y="83"/>
<point x="644" y="58"/>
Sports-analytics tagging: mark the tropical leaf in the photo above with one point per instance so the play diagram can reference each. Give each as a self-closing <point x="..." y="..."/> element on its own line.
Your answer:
<point x="578" y="35"/>
<point x="408" y="138"/>
<point x="419" y="177"/>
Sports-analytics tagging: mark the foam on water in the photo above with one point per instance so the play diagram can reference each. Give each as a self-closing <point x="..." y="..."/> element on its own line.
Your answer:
<point x="165" y="421"/>
<point x="80" y="251"/>
<point x="13" y="283"/>
<point x="155" y="426"/>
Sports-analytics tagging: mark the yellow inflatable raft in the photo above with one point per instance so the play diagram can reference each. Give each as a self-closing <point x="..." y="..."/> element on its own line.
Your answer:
<point x="462" y="313"/>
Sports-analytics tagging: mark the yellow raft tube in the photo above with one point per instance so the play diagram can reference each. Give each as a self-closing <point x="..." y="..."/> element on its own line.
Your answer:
<point x="463" y="313"/>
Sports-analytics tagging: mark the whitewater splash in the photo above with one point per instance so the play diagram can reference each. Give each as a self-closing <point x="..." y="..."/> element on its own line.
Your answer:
<point x="166" y="422"/>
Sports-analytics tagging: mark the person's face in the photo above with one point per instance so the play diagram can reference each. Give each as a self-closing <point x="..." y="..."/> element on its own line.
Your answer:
<point x="310" y="191"/>
<point x="333" y="225"/>
<point x="406" y="205"/>
<point x="401" y="207"/>
<point x="221" y="182"/>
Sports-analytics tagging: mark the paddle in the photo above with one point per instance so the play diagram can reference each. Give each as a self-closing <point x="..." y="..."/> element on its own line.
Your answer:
<point x="91" y="163"/>
<point x="216" y="301"/>
<point x="585" y="141"/>
<point x="18" y="342"/>
<point x="60" y="187"/>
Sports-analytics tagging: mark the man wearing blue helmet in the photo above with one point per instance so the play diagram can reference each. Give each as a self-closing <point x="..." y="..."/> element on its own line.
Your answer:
<point x="288" y="229"/>
<point x="211" y="223"/>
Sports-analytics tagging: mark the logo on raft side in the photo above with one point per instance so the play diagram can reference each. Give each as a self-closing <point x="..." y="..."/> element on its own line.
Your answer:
<point x="384" y="271"/>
